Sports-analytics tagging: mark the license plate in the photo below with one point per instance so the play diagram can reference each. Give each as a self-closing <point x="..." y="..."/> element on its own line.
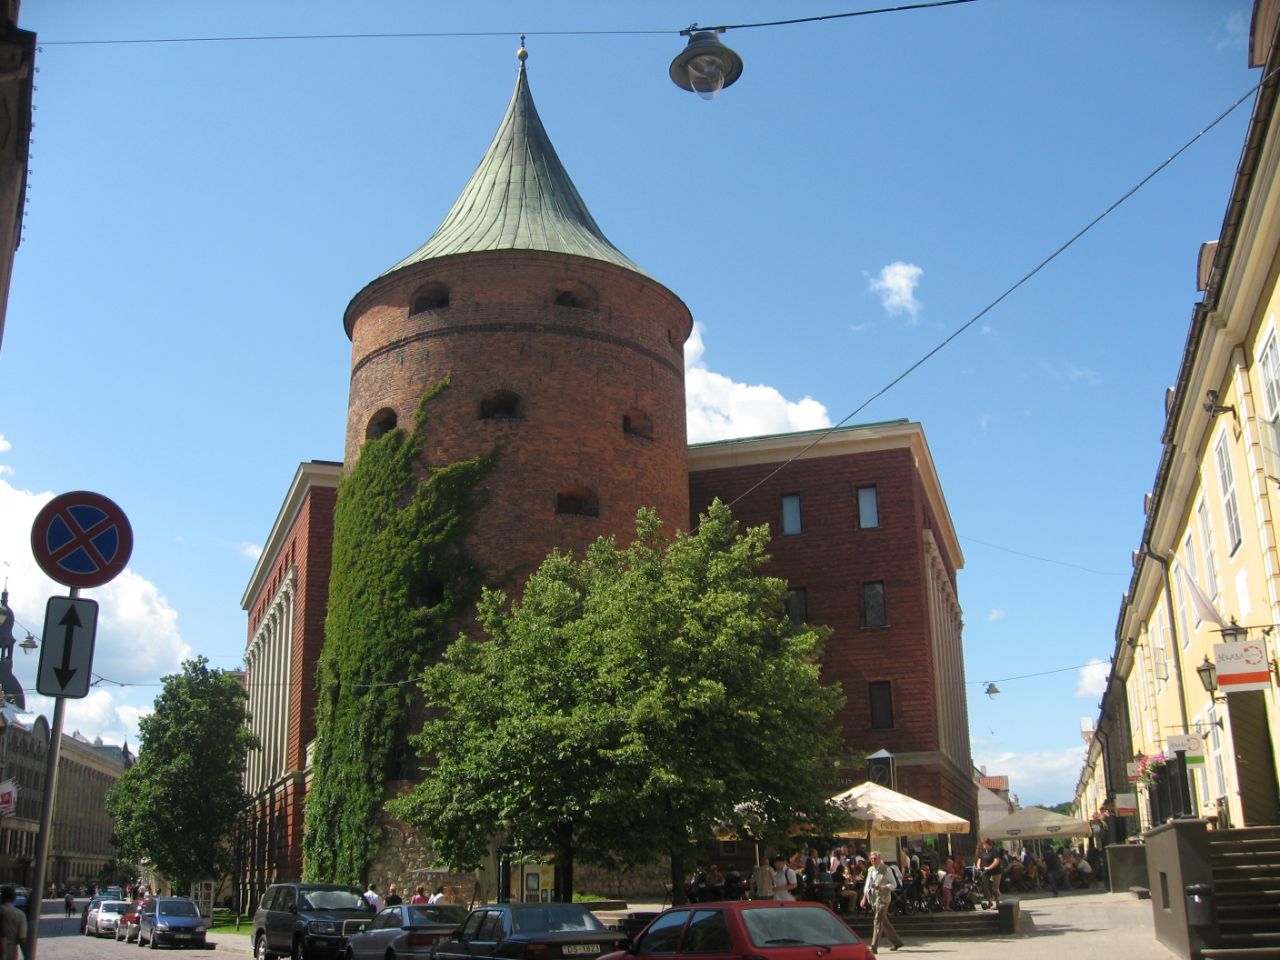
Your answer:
<point x="579" y="949"/>
<point x="183" y="936"/>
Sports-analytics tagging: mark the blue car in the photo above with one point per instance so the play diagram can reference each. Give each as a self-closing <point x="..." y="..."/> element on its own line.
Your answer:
<point x="170" y="921"/>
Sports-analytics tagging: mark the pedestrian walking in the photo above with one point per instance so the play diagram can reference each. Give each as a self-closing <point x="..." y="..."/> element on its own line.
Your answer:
<point x="13" y="924"/>
<point x="371" y="897"/>
<point x="878" y="893"/>
<point x="785" y="879"/>
<point x="70" y="901"/>
<point x="393" y="898"/>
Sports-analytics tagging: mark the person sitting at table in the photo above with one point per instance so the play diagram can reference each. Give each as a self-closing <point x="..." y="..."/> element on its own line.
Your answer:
<point x="713" y="884"/>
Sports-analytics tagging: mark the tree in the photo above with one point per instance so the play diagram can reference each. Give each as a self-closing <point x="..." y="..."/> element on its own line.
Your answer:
<point x="400" y="578"/>
<point x="628" y="703"/>
<point x="177" y="805"/>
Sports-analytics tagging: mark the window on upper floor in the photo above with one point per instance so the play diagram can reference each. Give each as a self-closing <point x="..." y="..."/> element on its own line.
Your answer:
<point x="873" y="607"/>
<point x="572" y="293"/>
<point x="791" y="525"/>
<point x="380" y="424"/>
<point x="500" y="405"/>
<point x="1210" y="554"/>
<point x="868" y="508"/>
<point x="429" y="296"/>
<point x="798" y="605"/>
<point x="577" y="501"/>
<point x="636" y="423"/>
<point x="1227" y="482"/>
<point x="880" y="698"/>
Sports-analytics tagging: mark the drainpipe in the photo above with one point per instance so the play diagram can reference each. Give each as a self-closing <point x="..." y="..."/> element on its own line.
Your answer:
<point x="1184" y="800"/>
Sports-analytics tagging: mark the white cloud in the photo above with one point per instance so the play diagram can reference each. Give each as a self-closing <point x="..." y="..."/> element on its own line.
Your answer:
<point x="1071" y="373"/>
<point x="1235" y="31"/>
<point x="896" y="287"/>
<point x="1092" y="680"/>
<point x="994" y="614"/>
<point x="250" y="550"/>
<point x="1040" y="778"/>
<point x="5" y="445"/>
<point x="719" y="408"/>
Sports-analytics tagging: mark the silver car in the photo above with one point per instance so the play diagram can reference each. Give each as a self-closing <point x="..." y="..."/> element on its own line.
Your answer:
<point x="105" y="917"/>
<point x="406" y="930"/>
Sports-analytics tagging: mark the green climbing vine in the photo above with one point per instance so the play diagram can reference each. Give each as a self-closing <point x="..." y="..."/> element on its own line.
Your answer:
<point x="400" y="575"/>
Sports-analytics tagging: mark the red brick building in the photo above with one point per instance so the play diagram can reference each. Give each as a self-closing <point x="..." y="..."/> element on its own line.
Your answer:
<point x="569" y="356"/>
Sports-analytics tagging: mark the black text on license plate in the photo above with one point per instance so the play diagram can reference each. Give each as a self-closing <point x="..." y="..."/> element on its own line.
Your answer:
<point x="579" y="949"/>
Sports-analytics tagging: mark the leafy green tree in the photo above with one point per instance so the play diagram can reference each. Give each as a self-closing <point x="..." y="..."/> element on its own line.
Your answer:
<point x="628" y="703"/>
<point x="177" y="805"/>
<point x="400" y="578"/>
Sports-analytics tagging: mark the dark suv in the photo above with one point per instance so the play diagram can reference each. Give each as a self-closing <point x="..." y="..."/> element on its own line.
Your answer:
<point x="307" y="921"/>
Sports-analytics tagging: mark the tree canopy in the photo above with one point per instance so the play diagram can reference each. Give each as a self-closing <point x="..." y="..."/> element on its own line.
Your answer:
<point x="400" y="577"/>
<point x="627" y="703"/>
<point x="178" y="804"/>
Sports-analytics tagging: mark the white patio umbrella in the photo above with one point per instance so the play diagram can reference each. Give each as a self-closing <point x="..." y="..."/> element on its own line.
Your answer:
<point x="1031" y="823"/>
<point x="887" y="813"/>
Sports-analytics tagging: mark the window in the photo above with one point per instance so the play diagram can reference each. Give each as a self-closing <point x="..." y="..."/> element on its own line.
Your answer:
<point x="880" y="696"/>
<point x="798" y="605"/>
<point x="500" y="405"/>
<point x="491" y="929"/>
<point x="663" y="934"/>
<point x="791" y="515"/>
<point x="1160" y="649"/>
<point x="707" y="933"/>
<point x="577" y="501"/>
<point x="873" y="612"/>
<point x="1227" y="480"/>
<point x="637" y="424"/>
<point x="1180" y="594"/>
<point x="1269" y="371"/>
<point x="571" y="293"/>
<point x="868" y="508"/>
<point x="380" y="424"/>
<point x="430" y="296"/>
<point x="1210" y="559"/>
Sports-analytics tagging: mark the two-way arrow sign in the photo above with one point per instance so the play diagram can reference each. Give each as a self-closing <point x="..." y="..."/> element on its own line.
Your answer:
<point x="66" y="656"/>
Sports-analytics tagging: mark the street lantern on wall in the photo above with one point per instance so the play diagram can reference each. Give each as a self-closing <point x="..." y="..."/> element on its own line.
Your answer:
<point x="1208" y="673"/>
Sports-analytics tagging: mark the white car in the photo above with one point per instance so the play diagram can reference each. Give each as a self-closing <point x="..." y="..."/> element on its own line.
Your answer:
<point x="105" y="917"/>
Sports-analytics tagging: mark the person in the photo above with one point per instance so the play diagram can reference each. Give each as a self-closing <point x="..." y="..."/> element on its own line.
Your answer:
<point x="371" y="897"/>
<point x="393" y="899"/>
<point x="1085" y="869"/>
<point x="1057" y="874"/>
<point x="419" y="894"/>
<point x="878" y="892"/>
<point x="713" y="888"/>
<point x="437" y="897"/>
<point x="70" y="901"/>
<point x="13" y="924"/>
<point x="784" y="879"/>
<point x="762" y="881"/>
<point x="947" y="878"/>
<point x="989" y="869"/>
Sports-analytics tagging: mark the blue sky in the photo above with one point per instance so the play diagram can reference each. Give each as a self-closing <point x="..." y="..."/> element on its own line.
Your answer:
<point x="200" y="214"/>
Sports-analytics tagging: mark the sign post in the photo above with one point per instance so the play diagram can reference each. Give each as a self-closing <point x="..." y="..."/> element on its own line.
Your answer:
<point x="79" y="539"/>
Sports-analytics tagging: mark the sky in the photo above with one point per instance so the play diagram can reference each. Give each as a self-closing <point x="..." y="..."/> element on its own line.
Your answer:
<point x="200" y="214"/>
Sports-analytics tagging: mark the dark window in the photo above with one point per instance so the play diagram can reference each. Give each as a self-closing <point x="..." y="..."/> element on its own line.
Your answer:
<point x="571" y="293"/>
<point x="873" y="612"/>
<point x="791" y="515"/>
<point x="380" y="424"/>
<point x="637" y="423"/>
<point x="431" y="296"/>
<point x="880" y="694"/>
<point x="578" y="501"/>
<point x="868" y="508"/>
<point x="798" y="605"/>
<point x="707" y="933"/>
<point x="268" y="899"/>
<point x="472" y="926"/>
<point x="284" y="899"/>
<point x="500" y="405"/>
<point x="491" y="929"/>
<point x="566" y="299"/>
<point x="663" y="933"/>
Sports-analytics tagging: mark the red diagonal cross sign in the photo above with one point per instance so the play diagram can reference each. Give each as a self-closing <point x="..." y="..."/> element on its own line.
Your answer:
<point x="61" y="511"/>
<point x="82" y="537"/>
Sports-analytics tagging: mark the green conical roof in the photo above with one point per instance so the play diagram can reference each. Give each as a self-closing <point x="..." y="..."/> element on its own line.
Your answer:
<point x="519" y="198"/>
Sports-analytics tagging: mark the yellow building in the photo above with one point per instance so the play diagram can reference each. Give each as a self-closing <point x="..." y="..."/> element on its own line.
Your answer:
<point x="1208" y="562"/>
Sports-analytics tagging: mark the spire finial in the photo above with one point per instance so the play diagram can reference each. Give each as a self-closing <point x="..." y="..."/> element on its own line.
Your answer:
<point x="522" y="54"/>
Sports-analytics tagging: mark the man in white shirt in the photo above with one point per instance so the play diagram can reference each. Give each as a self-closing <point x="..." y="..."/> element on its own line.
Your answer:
<point x="371" y="897"/>
<point x="784" y="879"/>
<point x="878" y="892"/>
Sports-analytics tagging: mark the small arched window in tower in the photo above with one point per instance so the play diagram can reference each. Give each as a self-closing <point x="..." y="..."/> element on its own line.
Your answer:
<point x="430" y="296"/>
<point x="571" y="293"/>
<point x="500" y="405"/>
<point x="637" y="423"/>
<point x="380" y="424"/>
<point x="577" y="501"/>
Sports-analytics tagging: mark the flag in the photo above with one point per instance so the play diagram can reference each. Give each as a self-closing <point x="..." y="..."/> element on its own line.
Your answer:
<point x="1202" y="604"/>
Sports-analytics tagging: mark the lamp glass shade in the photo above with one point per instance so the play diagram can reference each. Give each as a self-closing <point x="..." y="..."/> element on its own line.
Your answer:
<point x="706" y="66"/>
<point x="1208" y="672"/>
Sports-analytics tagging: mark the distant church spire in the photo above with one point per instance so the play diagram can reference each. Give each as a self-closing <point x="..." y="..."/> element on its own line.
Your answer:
<point x="520" y="197"/>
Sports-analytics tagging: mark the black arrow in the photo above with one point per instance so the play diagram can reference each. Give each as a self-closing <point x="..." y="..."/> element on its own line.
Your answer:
<point x="70" y="620"/>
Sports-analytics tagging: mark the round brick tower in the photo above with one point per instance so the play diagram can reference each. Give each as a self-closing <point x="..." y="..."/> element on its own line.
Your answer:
<point x="561" y="351"/>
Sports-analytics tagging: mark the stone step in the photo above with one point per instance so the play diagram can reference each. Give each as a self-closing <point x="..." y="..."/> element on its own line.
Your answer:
<point x="1254" y="938"/>
<point x="1244" y="833"/>
<point x="1240" y="953"/>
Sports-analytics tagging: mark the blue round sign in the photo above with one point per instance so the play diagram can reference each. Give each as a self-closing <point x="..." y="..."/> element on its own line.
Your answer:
<point x="82" y="539"/>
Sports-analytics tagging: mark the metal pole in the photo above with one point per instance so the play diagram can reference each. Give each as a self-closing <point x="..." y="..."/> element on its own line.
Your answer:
<point x="36" y="902"/>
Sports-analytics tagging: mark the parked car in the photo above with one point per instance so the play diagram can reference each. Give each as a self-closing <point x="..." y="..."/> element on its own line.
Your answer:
<point x="406" y="930"/>
<point x="112" y="893"/>
<point x="511" y="930"/>
<point x="127" y="928"/>
<point x="84" y="914"/>
<point x="308" y="921"/>
<point x="103" y="918"/>
<point x="21" y="895"/>
<point x="767" y="929"/>
<point x="171" y="921"/>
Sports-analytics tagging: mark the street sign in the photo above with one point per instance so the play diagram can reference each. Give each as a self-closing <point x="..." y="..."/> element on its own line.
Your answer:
<point x="66" y="655"/>
<point x="81" y="539"/>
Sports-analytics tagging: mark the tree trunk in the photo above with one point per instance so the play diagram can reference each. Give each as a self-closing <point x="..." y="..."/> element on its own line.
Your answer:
<point x="564" y="863"/>
<point x="677" y="878"/>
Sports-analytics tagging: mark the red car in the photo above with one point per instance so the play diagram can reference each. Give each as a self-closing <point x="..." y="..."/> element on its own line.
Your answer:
<point x="127" y="928"/>
<point x="765" y="929"/>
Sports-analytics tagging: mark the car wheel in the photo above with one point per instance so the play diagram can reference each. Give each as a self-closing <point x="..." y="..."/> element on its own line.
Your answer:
<point x="152" y="942"/>
<point x="260" y="948"/>
<point x="298" y="952"/>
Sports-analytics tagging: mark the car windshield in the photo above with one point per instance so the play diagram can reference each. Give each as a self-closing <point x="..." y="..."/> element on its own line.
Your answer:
<point x="177" y="908"/>
<point x="116" y="906"/>
<point x="789" y="926"/>
<point x="553" y="918"/>
<point x="445" y="913"/>
<point x="332" y="900"/>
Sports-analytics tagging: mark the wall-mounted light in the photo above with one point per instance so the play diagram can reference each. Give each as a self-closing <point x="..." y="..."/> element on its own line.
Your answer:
<point x="1208" y="674"/>
<point x="1213" y="407"/>
<point x="706" y="66"/>
<point x="1233" y="633"/>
